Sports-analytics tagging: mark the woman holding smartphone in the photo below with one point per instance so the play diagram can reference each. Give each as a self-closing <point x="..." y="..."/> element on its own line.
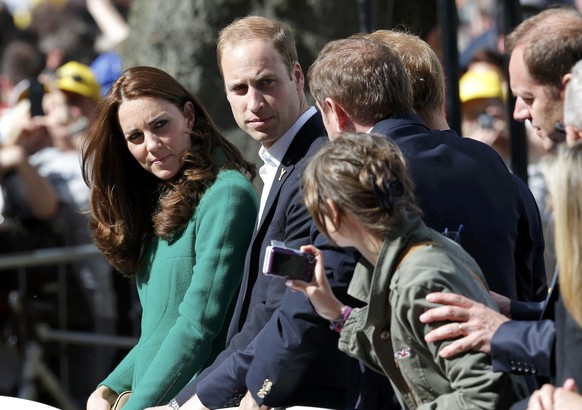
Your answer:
<point x="358" y="191"/>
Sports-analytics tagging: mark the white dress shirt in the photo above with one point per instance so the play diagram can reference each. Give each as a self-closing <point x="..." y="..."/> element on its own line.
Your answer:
<point x="273" y="156"/>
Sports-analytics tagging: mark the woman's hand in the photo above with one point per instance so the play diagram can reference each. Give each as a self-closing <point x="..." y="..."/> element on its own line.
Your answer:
<point x="101" y="399"/>
<point x="318" y="291"/>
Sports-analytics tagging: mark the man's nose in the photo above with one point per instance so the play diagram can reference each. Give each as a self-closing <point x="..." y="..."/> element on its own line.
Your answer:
<point x="255" y="100"/>
<point x="521" y="111"/>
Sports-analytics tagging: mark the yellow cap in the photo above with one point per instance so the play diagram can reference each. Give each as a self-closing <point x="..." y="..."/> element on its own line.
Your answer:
<point x="78" y="78"/>
<point x="480" y="84"/>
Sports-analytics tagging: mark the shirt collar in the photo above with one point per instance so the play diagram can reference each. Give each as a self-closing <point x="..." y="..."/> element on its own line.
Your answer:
<point x="279" y="148"/>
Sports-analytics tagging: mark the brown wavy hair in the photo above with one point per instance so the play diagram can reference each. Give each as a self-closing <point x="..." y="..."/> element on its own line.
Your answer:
<point x="129" y="205"/>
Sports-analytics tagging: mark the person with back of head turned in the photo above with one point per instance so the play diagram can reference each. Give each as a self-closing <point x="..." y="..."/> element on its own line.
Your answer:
<point x="279" y="351"/>
<point x="171" y="207"/>
<point x="428" y="89"/>
<point x="458" y="181"/>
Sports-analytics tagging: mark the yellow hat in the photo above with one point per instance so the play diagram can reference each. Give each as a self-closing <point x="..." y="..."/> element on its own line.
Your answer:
<point x="480" y="84"/>
<point x="78" y="78"/>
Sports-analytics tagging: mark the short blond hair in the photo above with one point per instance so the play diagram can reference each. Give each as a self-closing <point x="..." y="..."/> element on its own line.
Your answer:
<point x="258" y="28"/>
<point x="422" y="65"/>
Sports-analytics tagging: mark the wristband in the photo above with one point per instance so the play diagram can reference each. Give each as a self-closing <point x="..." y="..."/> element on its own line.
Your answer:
<point x="338" y="323"/>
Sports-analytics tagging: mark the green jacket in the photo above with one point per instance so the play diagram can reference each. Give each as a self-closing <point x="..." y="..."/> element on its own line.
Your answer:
<point x="187" y="294"/>
<point x="389" y="338"/>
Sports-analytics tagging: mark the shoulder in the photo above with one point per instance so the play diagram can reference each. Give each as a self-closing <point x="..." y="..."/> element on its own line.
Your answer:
<point x="230" y="181"/>
<point x="308" y="140"/>
<point x="231" y="188"/>
<point x="442" y="266"/>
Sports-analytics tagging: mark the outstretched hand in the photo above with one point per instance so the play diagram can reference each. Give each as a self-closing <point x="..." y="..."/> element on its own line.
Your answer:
<point x="472" y="324"/>
<point x="318" y="290"/>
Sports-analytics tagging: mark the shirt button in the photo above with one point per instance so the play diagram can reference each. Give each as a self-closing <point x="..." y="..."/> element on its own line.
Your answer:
<point x="385" y="335"/>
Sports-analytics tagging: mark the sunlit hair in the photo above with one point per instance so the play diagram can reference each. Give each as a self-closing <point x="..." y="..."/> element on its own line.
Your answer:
<point x="564" y="182"/>
<point x="347" y="171"/>
<point x="364" y="77"/>
<point x="128" y="203"/>
<point x="259" y="28"/>
<point x="423" y="66"/>
<point x="572" y="106"/>
<point x="552" y="41"/>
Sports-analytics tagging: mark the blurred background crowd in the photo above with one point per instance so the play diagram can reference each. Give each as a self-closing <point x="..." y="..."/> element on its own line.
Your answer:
<point x="58" y="59"/>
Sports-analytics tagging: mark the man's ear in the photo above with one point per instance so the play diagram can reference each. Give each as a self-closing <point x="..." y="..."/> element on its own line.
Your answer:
<point x="566" y="79"/>
<point x="342" y="119"/>
<point x="297" y="76"/>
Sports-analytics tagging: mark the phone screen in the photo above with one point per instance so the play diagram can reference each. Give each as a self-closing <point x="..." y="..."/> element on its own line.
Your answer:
<point x="289" y="263"/>
<point x="35" y="95"/>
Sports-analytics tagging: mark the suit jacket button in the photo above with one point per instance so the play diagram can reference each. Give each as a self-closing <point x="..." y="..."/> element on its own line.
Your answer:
<point x="385" y="335"/>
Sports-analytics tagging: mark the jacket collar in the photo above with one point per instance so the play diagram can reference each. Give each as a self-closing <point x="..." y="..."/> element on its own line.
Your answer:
<point x="369" y="281"/>
<point x="400" y="126"/>
<point x="302" y="141"/>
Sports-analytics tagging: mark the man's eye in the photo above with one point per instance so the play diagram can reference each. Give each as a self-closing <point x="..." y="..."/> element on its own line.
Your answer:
<point x="239" y="89"/>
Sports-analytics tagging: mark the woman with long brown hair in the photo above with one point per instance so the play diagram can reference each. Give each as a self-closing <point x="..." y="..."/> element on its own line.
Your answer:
<point x="171" y="207"/>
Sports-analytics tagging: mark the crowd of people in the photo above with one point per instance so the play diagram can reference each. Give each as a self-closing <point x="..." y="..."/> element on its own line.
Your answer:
<point x="433" y="284"/>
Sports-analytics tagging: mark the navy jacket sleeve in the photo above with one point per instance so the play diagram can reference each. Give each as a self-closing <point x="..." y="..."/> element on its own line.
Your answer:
<point x="225" y="379"/>
<point x="524" y="347"/>
<point x="529" y="248"/>
<point x="526" y="310"/>
<point x="273" y="365"/>
<point x="296" y="334"/>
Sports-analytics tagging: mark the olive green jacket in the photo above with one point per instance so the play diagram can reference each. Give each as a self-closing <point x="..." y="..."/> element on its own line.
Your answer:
<point x="388" y="336"/>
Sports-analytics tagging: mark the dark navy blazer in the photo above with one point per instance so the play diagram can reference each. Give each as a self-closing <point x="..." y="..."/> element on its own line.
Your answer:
<point x="548" y="348"/>
<point x="278" y="347"/>
<point x="463" y="181"/>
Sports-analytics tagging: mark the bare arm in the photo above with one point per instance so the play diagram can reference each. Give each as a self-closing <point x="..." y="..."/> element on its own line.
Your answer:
<point x="110" y="22"/>
<point x="40" y="194"/>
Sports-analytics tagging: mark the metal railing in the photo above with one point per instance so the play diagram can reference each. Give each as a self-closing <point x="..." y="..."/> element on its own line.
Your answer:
<point x="34" y="368"/>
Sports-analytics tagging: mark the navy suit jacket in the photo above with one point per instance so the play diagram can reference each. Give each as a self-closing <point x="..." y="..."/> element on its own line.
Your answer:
<point x="548" y="348"/>
<point x="278" y="347"/>
<point x="462" y="181"/>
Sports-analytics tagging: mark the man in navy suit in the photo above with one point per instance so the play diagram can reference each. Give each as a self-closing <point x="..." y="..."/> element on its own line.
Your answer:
<point x="528" y="343"/>
<point x="279" y="352"/>
<point x="361" y="85"/>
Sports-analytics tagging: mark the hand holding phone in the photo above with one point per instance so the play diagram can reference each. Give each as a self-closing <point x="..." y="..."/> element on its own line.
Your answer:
<point x="288" y="263"/>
